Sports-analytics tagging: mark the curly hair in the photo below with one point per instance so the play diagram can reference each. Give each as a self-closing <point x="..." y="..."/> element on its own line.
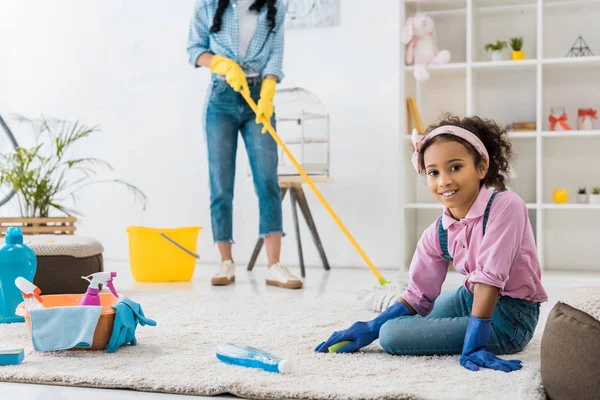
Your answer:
<point x="494" y="139"/>
<point x="256" y="6"/>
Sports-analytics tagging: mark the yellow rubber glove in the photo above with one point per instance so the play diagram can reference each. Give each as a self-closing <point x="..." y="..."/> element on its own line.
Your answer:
<point x="234" y="75"/>
<point x="265" y="107"/>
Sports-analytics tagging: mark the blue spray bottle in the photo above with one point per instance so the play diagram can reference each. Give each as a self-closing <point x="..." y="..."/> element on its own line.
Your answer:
<point x="16" y="259"/>
<point x="246" y="356"/>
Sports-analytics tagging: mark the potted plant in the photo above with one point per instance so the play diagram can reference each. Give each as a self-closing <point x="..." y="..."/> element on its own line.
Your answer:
<point x="496" y="49"/>
<point x="582" y="197"/>
<point x="516" y="44"/>
<point x="595" y="196"/>
<point x="46" y="176"/>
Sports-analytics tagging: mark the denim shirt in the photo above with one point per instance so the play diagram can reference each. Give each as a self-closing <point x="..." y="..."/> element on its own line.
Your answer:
<point x="265" y="51"/>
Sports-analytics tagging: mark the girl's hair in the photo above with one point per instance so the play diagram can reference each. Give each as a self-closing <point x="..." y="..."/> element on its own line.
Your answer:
<point x="494" y="139"/>
<point x="256" y="6"/>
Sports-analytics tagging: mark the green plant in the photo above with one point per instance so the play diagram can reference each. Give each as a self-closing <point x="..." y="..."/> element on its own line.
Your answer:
<point x="596" y="190"/>
<point x="499" y="45"/>
<point x="45" y="176"/>
<point x="516" y="43"/>
<point x="581" y="190"/>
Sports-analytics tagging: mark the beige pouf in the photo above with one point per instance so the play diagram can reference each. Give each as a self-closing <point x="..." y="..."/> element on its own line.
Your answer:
<point x="62" y="260"/>
<point x="570" y="348"/>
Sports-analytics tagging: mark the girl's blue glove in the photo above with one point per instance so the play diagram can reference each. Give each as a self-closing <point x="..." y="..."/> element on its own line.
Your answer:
<point x="474" y="354"/>
<point x="362" y="334"/>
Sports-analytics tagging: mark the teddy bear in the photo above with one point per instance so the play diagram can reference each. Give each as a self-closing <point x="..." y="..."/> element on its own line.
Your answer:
<point x="420" y="39"/>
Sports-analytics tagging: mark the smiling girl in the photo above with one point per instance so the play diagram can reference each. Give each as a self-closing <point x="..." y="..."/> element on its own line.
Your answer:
<point x="487" y="236"/>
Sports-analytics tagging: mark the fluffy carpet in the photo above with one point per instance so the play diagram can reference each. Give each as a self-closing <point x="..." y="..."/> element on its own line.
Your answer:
<point x="178" y="355"/>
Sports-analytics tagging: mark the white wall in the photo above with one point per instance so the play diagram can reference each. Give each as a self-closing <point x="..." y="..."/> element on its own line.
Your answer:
<point x="122" y="65"/>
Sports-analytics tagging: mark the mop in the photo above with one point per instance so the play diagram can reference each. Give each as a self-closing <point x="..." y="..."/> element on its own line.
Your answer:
<point x="382" y="281"/>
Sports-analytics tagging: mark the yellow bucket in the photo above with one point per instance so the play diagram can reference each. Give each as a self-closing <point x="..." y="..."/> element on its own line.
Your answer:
<point x="163" y="255"/>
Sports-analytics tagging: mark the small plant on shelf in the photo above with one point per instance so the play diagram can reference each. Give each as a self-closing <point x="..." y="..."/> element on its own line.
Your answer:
<point x="496" y="49"/>
<point x="582" y="196"/>
<point x="516" y="44"/>
<point x="595" y="195"/>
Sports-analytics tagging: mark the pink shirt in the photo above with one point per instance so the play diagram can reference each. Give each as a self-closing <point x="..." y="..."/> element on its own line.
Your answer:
<point x="506" y="257"/>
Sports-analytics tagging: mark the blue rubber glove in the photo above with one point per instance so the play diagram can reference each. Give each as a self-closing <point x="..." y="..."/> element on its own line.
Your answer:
<point x="361" y="333"/>
<point x="128" y="315"/>
<point x="474" y="354"/>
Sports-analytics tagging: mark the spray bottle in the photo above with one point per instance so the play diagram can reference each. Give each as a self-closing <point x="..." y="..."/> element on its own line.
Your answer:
<point x="30" y="293"/>
<point x="91" y="298"/>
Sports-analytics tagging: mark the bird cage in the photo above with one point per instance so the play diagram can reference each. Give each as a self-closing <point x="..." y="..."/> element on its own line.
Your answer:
<point x="302" y="123"/>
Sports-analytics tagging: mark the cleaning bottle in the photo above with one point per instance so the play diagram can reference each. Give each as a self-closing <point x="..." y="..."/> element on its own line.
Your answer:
<point x="91" y="298"/>
<point x="30" y="293"/>
<point x="16" y="259"/>
<point x="246" y="356"/>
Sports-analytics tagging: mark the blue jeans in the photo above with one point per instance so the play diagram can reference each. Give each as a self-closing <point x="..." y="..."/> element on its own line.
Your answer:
<point x="227" y="113"/>
<point x="442" y="332"/>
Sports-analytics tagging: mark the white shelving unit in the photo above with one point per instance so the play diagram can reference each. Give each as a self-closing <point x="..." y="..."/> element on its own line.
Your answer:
<point x="516" y="91"/>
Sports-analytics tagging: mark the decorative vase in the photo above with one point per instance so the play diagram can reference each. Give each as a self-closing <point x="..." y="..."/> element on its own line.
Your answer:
<point x="582" y="198"/>
<point x="584" y="118"/>
<point x="558" y="119"/>
<point x="517" y="55"/>
<point x="497" y="55"/>
<point x="594" y="198"/>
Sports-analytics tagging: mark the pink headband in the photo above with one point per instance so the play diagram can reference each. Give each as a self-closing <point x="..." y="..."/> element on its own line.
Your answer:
<point x="445" y="130"/>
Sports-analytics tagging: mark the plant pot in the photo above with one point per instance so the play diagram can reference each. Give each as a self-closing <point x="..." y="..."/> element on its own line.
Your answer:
<point x="594" y="198"/>
<point x="517" y="55"/>
<point x="497" y="55"/>
<point x="583" y="199"/>
<point x="38" y="226"/>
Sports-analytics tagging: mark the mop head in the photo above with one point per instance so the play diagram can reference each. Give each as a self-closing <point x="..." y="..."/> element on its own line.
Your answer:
<point x="379" y="298"/>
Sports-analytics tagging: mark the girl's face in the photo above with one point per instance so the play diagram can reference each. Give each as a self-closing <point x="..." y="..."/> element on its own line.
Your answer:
<point x="452" y="176"/>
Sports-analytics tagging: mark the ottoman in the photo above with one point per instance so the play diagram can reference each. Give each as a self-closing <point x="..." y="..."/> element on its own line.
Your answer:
<point x="570" y="348"/>
<point x="62" y="260"/>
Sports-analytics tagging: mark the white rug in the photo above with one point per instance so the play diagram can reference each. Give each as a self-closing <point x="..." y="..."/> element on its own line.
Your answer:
<point x="178" y="355"/>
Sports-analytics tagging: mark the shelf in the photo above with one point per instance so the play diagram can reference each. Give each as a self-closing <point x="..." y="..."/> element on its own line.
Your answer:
<point x="493" y="6"/>
<point x="513" y="64"/>
<point x="504" y="65"/>
<point x="570" y="61"/>
<point x="440" y="67"/>
<point x="516" y="91"/>
<point x="572" y="206"/>
<point x="567" y="134"/>
<point x="522" y="135"/>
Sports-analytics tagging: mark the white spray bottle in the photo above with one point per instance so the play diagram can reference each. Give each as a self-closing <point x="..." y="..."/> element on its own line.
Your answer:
<point x="31" y="295"/>
<point x="91" y="298"/>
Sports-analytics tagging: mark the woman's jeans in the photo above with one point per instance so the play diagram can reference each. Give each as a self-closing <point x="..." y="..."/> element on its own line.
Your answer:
<point x="227" y="113"/>
<point x="442" y="332"/>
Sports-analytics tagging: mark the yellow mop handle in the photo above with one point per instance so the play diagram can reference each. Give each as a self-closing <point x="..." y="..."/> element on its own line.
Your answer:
<point x="310" y="183"/>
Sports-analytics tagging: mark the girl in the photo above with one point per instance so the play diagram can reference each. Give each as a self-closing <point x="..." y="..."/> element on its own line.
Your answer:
<point x="241" y="42"/>
<point x="488" y="237"/>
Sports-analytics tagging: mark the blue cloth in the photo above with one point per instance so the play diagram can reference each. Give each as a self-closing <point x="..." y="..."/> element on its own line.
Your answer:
<point x="265" y="51"/>
<point x="61" y="328"/>
<point x="442" y="332"/>
<point x="361" y="333"/>
<point x="226" y="114"/>
<point x="474" y="354"/>
<point x="127" y="316"/>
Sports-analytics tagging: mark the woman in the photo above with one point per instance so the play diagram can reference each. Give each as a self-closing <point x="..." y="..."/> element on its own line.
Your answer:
<point x="241" y="42"/>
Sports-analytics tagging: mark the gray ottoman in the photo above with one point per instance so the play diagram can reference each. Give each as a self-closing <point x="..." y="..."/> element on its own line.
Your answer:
<point x="62" y="260"/>
<point x="570" y="348"/>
